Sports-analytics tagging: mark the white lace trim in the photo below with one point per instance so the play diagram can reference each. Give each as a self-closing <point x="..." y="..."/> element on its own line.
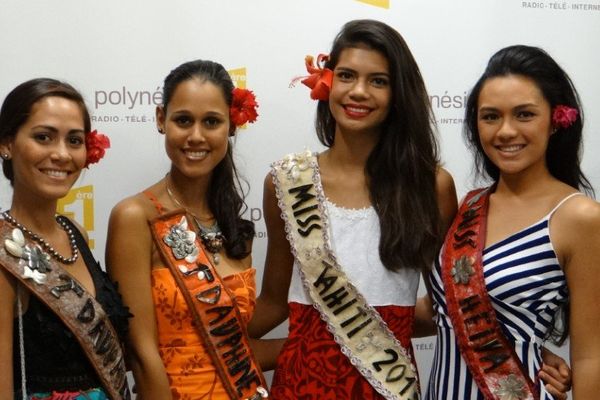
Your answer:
<point x="351" y="214"/>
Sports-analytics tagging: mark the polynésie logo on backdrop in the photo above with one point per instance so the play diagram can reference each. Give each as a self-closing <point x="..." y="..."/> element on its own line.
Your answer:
<point x="78" y="205"/>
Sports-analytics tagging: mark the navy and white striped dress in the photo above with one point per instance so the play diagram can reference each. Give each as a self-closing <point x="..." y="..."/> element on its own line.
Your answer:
<point x="526" y="286"/>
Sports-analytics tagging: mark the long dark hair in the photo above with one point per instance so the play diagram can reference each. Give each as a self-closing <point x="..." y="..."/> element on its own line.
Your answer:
<point x="225" y="192"/>
<point x="565" y="144"/>
<point x="401" y="168"/>
<point x="17" y="106"/>
<point x="563" y="155"/>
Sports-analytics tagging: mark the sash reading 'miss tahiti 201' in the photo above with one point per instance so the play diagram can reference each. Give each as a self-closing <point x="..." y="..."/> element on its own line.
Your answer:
<point x="215" y="313"/>
<point x="71" y="302"/>
<point x="491" y="359"/>
<point x="356" y="326"/>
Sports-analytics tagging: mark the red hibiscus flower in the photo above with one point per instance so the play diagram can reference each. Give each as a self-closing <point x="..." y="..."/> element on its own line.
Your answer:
<point x="96" y="145"/>
<point x="320" y="79"/>
<point x="243" y="107"/>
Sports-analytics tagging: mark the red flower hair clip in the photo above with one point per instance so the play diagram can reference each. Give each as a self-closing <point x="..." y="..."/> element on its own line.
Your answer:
<point x="243" y="107"/>
<point x="320" y="78"/>
<point x="564" y="116"/>
<point x="96" y="145"/>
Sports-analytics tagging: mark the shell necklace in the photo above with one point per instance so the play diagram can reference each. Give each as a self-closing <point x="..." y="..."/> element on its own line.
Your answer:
<point x="212" y="237"/>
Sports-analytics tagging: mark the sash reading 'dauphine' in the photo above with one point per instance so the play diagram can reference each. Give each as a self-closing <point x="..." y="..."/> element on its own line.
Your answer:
<point x="215" y="313"/>
<point x="491" y="359"/>
<point x="356" y="326"/>
<point x="71" y="302"/>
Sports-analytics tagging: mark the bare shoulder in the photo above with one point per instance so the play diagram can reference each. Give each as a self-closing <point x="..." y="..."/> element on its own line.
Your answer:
<point x="581" y="214"/>
<point x="269" y="190"/>
<point x="132" y="210"/>
<point x="268" y="182"/>
<point x="446" y="195"/>
<point x="444" y="185"/>
<point x="575" y="229"/>
<point x="443" y="179"/>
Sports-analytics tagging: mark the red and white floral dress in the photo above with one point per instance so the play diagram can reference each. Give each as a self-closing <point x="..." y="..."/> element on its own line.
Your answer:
<point x="311" y="365"/>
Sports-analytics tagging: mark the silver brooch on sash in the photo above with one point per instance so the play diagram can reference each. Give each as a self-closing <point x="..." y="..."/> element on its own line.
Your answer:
<point x="37" y="263"/>
<point x="293" y="164"/>
<point x="182" y="241"/>
<point x="511" y="388"/>
<point x="462" y="270"/>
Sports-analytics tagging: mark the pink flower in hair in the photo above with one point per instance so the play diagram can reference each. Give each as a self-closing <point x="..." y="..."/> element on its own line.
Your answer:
<point x="564" y="116"/>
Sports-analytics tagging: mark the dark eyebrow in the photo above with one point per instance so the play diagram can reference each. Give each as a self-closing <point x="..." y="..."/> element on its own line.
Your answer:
<point x="519" y="107"/>
<point x="346" y="69"/>
<point x="177" y="113"/>
<point x="46" y="127"/>
<point x="54" y="130"/>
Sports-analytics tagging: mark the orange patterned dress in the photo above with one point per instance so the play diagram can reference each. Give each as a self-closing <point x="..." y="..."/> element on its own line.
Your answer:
<point x="190" y="370"/>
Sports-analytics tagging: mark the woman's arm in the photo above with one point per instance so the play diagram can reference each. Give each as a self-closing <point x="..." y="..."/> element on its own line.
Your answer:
<point x="446" y="198"/>
<point x="577" y="234"/>
<point x="128" y="260"/>
<point x="266" y="352"/>
<point x="7" y="304"/>
<point x="447" y="205"/>
<point x="424" y="324"/>
<point x="271" y="305"/>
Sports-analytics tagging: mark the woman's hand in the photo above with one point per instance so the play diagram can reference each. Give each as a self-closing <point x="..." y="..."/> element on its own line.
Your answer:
<point x="555" y="374"/>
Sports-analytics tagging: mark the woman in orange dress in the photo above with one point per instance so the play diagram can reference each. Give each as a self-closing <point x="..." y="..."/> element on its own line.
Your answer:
<point x="167" y="353"/>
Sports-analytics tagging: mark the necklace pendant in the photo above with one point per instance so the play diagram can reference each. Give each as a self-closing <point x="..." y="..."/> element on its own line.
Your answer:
<point x="216" y="258"/>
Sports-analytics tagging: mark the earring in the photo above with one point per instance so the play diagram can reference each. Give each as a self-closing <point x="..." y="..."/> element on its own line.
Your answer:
<point x="160" y="130"/>
<point x="5" y="156"/>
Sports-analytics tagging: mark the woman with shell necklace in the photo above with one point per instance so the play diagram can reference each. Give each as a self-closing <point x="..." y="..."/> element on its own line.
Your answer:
<point x="188" y="279"/>
<point x="60" y="316"/>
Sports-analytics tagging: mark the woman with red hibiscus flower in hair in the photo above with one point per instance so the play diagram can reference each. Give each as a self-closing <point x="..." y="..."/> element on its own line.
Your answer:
<point x="180" y="250"/>
<point x="523" y="252"/>
<point x="351" y="228"/>
<point x="61" y="318"/>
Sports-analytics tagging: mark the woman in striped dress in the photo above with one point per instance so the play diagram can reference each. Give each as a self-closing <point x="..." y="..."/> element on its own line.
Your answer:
<point x="538" y="255"/>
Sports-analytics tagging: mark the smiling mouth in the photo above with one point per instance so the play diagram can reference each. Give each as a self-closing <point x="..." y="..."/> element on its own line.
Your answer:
<point x="356" y="111"/>
<point x="55" y="173"/>
<point x="511" y="149"/>
<point x="196" y="155"/>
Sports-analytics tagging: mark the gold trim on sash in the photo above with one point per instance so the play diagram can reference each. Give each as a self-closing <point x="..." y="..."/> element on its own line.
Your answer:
<point x="215" y="313"/>
<point x="356" y="326"/>
<point x="71" y="302"/>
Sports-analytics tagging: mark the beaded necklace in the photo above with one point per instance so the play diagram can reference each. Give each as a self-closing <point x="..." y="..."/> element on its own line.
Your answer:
<point x="41" y="241"/>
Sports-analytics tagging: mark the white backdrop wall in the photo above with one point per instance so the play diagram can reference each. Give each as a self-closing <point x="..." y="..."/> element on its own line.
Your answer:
<point x="118" y="52"/>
